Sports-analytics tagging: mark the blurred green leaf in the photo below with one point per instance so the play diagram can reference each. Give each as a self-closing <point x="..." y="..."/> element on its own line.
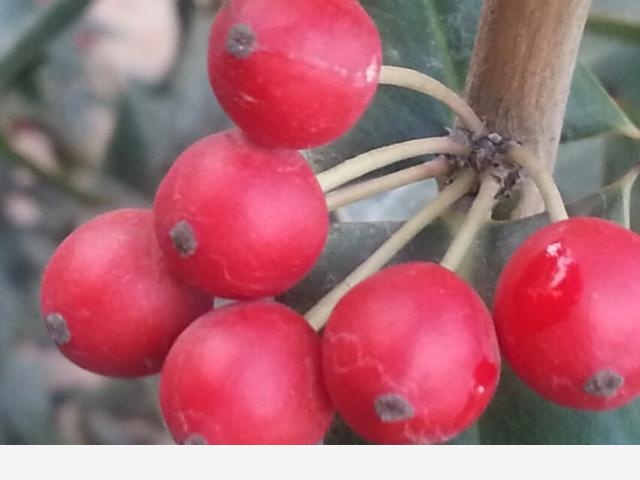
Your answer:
<point x="9" y="294"/>
<point x="628" y="9"/>
<point x="156" y="124"/>
<point x="111" y="418"/>
<point x="31" y="35"/>
<point x="9" y="156"/>
<point x="25" y="407"/>
<point x="612" y="27"/>
<point x="128" y="156"/>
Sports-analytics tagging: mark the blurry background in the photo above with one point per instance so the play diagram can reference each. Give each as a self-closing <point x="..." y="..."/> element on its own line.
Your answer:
<point x="97" y="98"/>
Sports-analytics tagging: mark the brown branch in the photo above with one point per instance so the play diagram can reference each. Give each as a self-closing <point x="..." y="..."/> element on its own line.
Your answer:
<point x="520" y="74"/>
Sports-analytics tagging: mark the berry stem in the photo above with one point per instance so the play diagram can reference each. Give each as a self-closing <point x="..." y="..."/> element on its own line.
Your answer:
<point x="479" y="214"/>
<point x="413" y="80"/>
<point x="345" y="196"/>
<point x="381" y="157"/>
<point x="318" y="315"/>
<point x="542" y="178"/>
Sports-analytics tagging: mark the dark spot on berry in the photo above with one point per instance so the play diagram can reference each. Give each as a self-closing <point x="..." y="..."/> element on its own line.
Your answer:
<point x="195" y="439"/>
<point x="393" y="407"/>
<point x="241" y="41"/>
<point x="183" y="238"/>
<point x="57" y="328"/>
<point x="605" y="383"/>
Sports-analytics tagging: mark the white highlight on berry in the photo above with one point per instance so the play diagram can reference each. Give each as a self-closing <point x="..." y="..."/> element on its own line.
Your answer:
<point x="563" y="261"/>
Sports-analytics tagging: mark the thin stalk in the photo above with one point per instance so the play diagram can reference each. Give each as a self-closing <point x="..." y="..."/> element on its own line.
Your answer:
<point x="354" y="193"/>
<point x="420" y="82"/>
<point x="364" y="163"/>
<point x="479" y="214"/>
<point x="319" y="314"/>
<point x="542" y="178"/>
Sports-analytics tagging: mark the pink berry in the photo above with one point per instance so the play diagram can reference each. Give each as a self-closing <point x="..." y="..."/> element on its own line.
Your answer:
<point x="238" y="220"/>
<point x="294" y="73"/>
<point x="410" y="356"/>
<point x="566" y="311"/>
<point x="246" y="374"/>
<point x="109" y="301"/>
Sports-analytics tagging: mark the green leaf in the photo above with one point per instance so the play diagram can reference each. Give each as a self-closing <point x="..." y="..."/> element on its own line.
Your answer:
<point x="617" y="66"/>
<point x="619" y="69"/>
<point x="30" y="36"/>
<point x="519" y="416"/>
<point x="621" y="154"/>
<point x="592" y="112"/>
<point x="341" y="434"/>
<point x="351" y="243"/>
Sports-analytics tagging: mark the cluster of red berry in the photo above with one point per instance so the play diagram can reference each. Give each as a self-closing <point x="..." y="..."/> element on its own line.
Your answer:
<point x="410" y="355"/>
<point x="240" y="215"/>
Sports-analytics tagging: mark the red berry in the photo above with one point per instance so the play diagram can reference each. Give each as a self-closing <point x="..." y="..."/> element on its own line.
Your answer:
<point x="238" y="220"/>
<point x="566" y="311"/>
<point x="410" y="356"/>
<point x="294" y="73"/>
<point x="109" y="301"/>
<point x="248" y="373"/>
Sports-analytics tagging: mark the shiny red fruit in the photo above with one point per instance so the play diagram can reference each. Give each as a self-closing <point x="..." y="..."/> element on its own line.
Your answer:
<point x="294" y="73"/>
<point x="410" y="356"/>
<point x="248" y="373"/>
<point x="567" y="313"/>
<point x="240" y="221"/>
<point x="109" y="301"/>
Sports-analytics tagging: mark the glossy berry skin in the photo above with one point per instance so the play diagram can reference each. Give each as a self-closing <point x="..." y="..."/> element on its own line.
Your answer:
<point x="567" y="316"/>
<point x="240" y="221"/>
<point x="248" y="373"/>
<point x="294" y="73"/>
<point x="410" y="356"/>
<point x="109" y="301"/>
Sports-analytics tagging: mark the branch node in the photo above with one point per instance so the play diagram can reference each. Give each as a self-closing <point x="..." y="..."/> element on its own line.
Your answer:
<point x="488" y="153"/>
